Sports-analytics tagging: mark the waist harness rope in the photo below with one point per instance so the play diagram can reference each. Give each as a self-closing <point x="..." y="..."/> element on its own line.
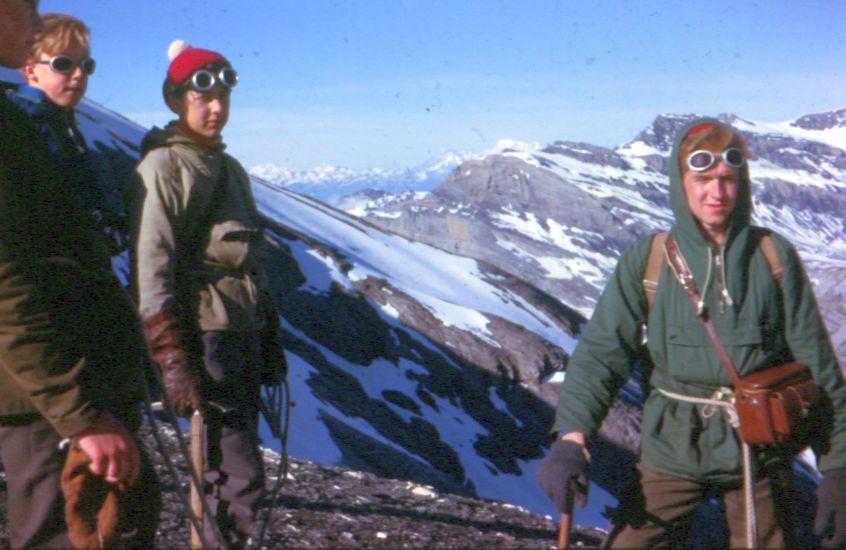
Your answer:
<point x="723" y="398"/>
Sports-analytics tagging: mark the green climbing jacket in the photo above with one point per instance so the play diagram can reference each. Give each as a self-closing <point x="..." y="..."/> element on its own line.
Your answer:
<point x="760" y="322"/>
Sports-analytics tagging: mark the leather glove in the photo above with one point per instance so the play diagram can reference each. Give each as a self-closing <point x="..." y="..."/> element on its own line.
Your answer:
<point x="274" y="364"/>
<point x="830" y="522"/>
<point x="92" y="505"/>
<point x="180" y="373"/>
<point x="563" y="475"/>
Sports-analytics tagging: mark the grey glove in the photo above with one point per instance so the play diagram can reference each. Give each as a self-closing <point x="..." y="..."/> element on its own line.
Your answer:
<point x="830" y="523"/>
<point x="563" y="475"/>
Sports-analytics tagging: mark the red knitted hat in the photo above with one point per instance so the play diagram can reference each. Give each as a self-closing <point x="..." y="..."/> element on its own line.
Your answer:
<point x="185" y="59"/>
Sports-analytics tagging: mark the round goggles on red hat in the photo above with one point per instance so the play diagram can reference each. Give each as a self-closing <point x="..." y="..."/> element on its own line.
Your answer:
<point x="702" y="160"/>
<point x="204" y="80"/>
<point x="66" y="64"/>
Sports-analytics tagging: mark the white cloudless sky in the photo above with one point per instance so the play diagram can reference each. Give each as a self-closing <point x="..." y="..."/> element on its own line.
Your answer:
<point x="394" y="83"/>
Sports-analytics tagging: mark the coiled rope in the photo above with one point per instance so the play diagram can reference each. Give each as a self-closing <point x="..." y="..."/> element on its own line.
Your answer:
<point x="276" y="408"/>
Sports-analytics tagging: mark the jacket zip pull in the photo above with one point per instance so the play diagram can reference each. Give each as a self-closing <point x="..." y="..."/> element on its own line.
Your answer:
<point x="725" y="297"/>
<point x="700" y="306"/>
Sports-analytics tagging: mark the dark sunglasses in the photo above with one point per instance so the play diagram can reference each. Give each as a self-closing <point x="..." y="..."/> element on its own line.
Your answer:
<point x="204" y="80"/>
<point x="65" y="64"/>
<point x="702" y="160"/>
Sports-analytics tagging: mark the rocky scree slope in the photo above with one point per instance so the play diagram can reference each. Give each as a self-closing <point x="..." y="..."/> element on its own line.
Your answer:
<point x="332" y="507"/>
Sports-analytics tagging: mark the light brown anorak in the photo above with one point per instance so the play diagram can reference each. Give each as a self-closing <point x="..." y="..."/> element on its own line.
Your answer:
<point x="219" y="274"/>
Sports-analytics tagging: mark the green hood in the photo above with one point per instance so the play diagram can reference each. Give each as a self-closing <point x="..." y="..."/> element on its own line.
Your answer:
<point x="690" y="239"/>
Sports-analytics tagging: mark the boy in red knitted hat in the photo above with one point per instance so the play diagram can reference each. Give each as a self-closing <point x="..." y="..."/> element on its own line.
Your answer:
<point x="202" y="288"/>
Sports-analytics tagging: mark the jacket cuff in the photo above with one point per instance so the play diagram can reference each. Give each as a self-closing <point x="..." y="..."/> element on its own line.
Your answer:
<point x="73" y="424"/>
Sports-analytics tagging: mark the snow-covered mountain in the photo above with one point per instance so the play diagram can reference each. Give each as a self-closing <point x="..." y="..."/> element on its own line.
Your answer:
<point x="405" y="360"/>
<point x="561" y="215"/>
<point x="331" y="183"/>
<point x="418" y="361"/>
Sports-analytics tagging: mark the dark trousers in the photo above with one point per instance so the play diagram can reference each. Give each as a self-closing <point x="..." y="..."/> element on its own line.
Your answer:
<point x="234" y="471"/>
<point x="35" y="506"/>
<point x="660" y="513"/>
<point x="29" y="450"/>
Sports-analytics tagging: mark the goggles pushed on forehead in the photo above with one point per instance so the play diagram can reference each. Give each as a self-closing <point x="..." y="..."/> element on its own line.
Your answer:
<point x="65" y="64"/>
<point x="702" y="160"/>
<point x="204" y="80"/>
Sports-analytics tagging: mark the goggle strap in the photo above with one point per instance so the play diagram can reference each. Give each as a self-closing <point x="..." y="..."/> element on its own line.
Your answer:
<point x="699" y="128"/>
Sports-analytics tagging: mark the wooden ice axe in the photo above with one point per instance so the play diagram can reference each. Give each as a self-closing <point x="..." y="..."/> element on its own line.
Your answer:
<point x="197" y="459"/>
<point x="566" y="525"/>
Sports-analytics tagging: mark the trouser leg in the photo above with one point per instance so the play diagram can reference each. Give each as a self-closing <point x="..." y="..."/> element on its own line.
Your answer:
<point x="35" y="505"/>
<point x="659" y="514"/>
<point x="236" y="476"/>
<point x="774" y="507"/>
<point x="234" y="467"/>
<point x="141" y="505"/>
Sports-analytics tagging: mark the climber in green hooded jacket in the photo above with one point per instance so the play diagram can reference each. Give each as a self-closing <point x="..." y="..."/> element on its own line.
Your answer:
<point x="761" y="322"/>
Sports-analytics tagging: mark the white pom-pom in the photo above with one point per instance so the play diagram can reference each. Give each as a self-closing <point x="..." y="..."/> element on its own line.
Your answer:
<point x="176" y="48"/>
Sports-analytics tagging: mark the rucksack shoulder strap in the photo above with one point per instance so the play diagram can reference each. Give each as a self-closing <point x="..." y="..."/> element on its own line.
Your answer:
<point x="768" y="248"/>
<point x="654" y="262"/>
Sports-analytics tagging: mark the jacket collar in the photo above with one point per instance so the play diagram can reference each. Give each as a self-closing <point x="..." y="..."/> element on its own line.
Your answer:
<point x="170" y="135"/>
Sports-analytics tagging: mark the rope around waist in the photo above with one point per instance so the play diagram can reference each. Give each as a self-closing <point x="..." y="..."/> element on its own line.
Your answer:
<point x="721" y="399"/>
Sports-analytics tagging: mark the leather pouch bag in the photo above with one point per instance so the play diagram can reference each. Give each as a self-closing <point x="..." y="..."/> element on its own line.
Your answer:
<point x="774" y="404"/>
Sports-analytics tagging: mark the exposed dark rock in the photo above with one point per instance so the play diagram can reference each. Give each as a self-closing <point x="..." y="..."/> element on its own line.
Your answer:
<point x="588" y="153"/>
<point x="821" y="121"/>
<point x="328" y="507"/>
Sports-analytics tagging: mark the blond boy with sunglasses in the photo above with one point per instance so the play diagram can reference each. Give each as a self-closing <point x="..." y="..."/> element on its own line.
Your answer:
<point x="60" y="61"/>
<point x="56" y="71"/>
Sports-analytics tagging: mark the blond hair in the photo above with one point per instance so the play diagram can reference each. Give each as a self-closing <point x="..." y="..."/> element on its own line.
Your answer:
<point x="715" y="137"/>
<point x="58" y="33"/>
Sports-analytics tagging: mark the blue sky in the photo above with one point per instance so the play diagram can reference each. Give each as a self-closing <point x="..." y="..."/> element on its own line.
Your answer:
<point x="394" y="83"/>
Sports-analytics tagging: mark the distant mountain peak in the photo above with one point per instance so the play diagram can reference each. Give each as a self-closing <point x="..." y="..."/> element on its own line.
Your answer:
<point x="332" y="183"/>
<point x="822" y="121"/>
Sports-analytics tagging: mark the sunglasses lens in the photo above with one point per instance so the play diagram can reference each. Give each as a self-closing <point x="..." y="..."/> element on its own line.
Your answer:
<point x="700" y="160"/>
<point x="733" y="157"/>
<point x="203" y="81"/>
<point x="88" y="65"/>
<point x="62" y="64"/>
<point x="229" y="77"/>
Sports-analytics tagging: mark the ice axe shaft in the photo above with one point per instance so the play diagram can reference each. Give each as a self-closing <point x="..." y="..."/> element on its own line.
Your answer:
<point x="197" y="460"/>
<point x="565" y="527"/>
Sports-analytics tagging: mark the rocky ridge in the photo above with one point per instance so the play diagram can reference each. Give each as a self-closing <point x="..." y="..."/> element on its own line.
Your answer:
<point x="561" y="215"/>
